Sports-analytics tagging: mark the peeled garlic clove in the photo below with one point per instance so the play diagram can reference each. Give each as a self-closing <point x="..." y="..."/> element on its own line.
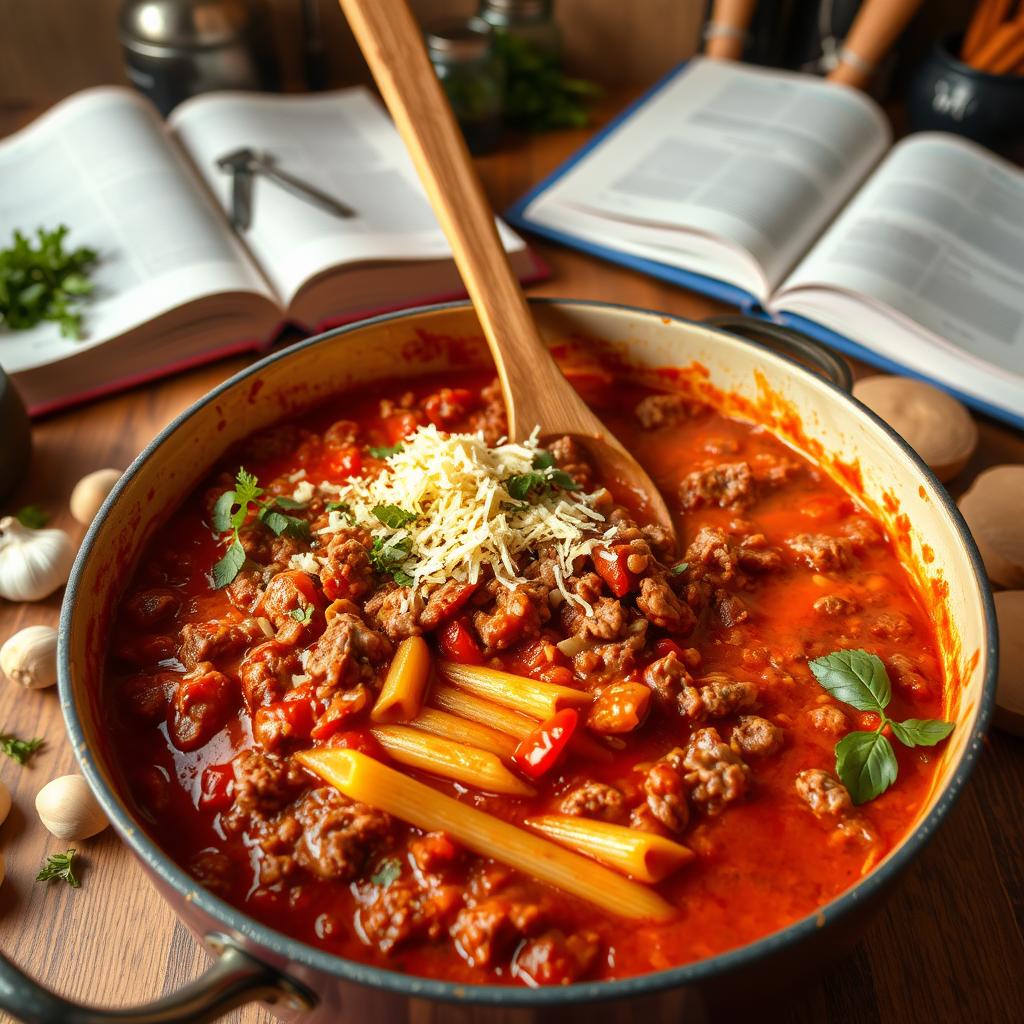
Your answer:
<point x="33" y="563"/>
<point x="992" y="508"/>
<point x="90" y="492"/>
<point x="68" y="809"/>
<point x="5" y="808"/>
<point x="29" y="658"/>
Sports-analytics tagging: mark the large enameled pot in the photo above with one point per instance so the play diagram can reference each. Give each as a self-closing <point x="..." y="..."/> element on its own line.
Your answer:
<point x="747" y="378"/>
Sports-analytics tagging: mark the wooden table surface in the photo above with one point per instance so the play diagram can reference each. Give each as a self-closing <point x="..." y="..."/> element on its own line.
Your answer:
<point x="948" y="945"/>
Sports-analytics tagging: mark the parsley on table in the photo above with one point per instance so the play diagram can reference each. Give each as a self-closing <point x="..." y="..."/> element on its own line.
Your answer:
<point x="33" y="517"/>
<point x="232" y="511"/>
<point x="388" y="871"/>
<point x="541" y="480"/>
<point x="59" y="866"/>
<point x="865" y="761"/>
<point x="19" y="750"/>
<point x="43" y="281"/>
<point x="384" y="452"/>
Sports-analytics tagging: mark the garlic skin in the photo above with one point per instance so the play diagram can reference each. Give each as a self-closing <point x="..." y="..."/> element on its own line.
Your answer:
<point x="5" y="809"/>
<point x="68" y="809"/>
<point x="33" y="563"/>
<point x="90" y="492"/>
<point x="29" y="658"/>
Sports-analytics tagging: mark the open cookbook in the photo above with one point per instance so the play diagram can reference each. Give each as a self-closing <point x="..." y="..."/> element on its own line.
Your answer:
<point x="782" y="194"/>
<point x="174" y="284"/>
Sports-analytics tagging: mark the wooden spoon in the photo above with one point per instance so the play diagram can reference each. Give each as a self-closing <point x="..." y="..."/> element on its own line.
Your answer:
<point x="536" y="393"/>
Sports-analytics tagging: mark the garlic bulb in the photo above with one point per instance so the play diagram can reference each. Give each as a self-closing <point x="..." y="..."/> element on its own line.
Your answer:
<point x="33" y="563"/>
<point x="5" y="806"/>
<point x="90" y="492"/>
<point x="68" y="809"/>
<point x="29" y="658"/>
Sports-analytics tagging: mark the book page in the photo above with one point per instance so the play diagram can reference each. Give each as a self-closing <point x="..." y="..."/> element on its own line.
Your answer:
<point x="937" y="237"/>
<point x="342" y="143"/>
<point x="101" y="164"/>
<point x="757" y="157"/>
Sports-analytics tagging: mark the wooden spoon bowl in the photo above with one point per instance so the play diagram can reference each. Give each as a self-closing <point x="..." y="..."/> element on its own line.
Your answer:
<point x="536" y="394"/>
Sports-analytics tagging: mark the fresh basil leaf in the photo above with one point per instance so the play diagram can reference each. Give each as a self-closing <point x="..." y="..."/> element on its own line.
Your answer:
<point x="278" y="523"/>
<point x="866" y="764"/>
<point x="229" y="566"/>
<point x="855" y="678"/>
<point x="383" y="452"/>
<point x="221" y="518"/>
<point x="921" y="732"/>
<point x="339" y="506"/>
<point x="402" y="578"/>
<point x="520" y="485"/>
<point x="560" y="478"/>
<point x="388" y="871"/>
<point x="679" y="568"/>
<point x="288" y="504"/>
<point x="393" y="516"/>
<point x="543" y="459"/>
<point x="33" y="517"/>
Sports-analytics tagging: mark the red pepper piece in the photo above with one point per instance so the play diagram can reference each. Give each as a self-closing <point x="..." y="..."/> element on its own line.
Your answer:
<point x="613" y="570"/>
<point x="664" y="647"/>
<point x="216" y="787"/>
<point x="457" y="643"/>
<point x="538" y="751"/>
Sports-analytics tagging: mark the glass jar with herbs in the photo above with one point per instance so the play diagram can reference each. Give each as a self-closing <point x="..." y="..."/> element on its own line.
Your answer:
<point x="472" y="73"/>
<point x="538" y="95"/>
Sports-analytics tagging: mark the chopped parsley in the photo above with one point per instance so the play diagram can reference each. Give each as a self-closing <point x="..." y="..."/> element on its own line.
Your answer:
<point x="679" y="568"/>
<point x="388" y="871"/>
<point x="384" y="452"/>
<point x="393" y="516"/>
<point x="231" y="512"/>
<point x="59" y="866"/>
<point x="303" y="615"/>
<point x="387" y="556"/>
<point x="19" y="750"/>
<point x="541" y="481"/>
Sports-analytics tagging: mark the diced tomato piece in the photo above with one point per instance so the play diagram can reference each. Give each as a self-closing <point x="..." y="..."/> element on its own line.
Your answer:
<point x="345" y="462"/>
<point x="343" y="707"/>
<point x="457" y="643"/>
<point x="538" y="751"/>
<point x="216" y="787"/>
<point x="664" y="647"/>
<point x="283" y="720"/>
<point x="449" y="405"/>
<point x="537" y="657"/>
<point x="559" y="674"/>
<point x="613" y="569"/>
<point x="200" y="709"/>
<point x="356" y="739"/>
<point x="400" y="425"/>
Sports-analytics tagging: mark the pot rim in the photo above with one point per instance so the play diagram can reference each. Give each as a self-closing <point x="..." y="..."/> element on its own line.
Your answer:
<point x="297" y="952"/>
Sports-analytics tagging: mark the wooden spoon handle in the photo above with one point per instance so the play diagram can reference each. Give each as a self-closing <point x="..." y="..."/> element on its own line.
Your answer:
<point x="393" y="46"/>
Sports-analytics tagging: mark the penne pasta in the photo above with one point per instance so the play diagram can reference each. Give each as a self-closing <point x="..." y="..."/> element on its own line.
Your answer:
<point x="461" y="730"/>
<point x="520" y="693"/>
<point x="362" y="778"/>
<point x="471" y="766"/>
<point x="401" y="696"/>
<point x="641" y="855"/>
<point x="476" y="709"/>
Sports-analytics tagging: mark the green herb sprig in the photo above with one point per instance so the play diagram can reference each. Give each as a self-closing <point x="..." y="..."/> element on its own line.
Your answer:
<point x="865" y="761"/>
<point x="541" y="481"/>
<point x="59" y="867"/>
<point x="33" y="517"/>
<point x="232" y="511"/>
<point x="384" y="452"/>
<point x="43" y="281"/>
<point x="387" y="556"/>
<point x="388" y="872"/>
<point x="18" y="750"/>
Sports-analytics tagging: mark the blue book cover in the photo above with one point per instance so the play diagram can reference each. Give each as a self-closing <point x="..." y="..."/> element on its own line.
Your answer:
<point x="710" y="286"/>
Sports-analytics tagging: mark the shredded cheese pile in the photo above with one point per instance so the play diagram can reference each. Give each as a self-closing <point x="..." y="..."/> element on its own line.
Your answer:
<point x="465" y="517"/>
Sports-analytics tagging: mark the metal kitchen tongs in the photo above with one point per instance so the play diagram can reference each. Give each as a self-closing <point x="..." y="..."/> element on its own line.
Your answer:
<point x="245" y="163"/>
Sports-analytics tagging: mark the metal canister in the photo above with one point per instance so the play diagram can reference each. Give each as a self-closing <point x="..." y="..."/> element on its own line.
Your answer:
<point x="174" y="49"/>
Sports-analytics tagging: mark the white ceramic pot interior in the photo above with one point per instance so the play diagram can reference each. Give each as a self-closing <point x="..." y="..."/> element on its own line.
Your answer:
<point x="747" y="380"/>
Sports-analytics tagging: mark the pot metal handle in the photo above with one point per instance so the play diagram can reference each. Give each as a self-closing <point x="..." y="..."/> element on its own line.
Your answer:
<point x="791" y="343"/>
<point x="234" y="979"/>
